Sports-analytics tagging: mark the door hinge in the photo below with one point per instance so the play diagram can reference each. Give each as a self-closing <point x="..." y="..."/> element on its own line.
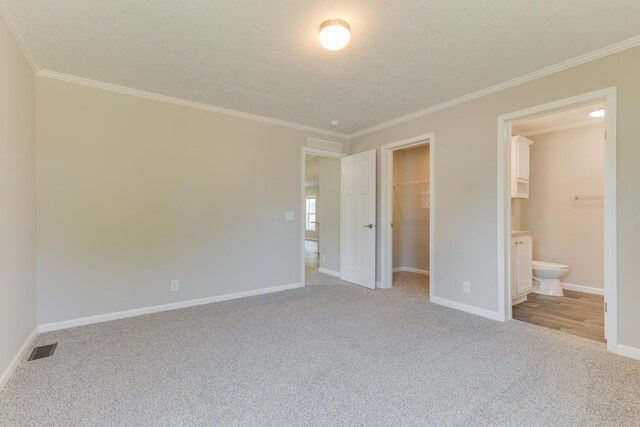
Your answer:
<point x="605" y="307"/>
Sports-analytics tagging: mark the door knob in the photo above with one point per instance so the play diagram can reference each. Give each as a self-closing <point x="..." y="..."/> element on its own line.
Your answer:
<point x="368" y="226"/>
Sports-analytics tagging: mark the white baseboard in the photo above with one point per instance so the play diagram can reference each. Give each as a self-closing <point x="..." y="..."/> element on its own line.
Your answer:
<point x="17" y="359"/>
<point x="165" y="307"/>
<point x="329" y="272"/>
<point x="493" y="315"/>
<point x="411" y="270"/>
<point x="627" y="351"/>
<point x="585" y="289"/>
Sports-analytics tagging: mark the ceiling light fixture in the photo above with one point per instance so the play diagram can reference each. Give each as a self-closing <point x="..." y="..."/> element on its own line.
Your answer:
<point x="597" y="113"/>
<point x="334" y="34"/>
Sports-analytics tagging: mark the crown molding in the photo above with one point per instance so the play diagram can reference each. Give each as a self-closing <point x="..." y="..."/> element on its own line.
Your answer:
<point x="8" y="15"/>
<point x="564" y="65"/>
<point x="10" y="19"/>
<point x="182" y="102"/>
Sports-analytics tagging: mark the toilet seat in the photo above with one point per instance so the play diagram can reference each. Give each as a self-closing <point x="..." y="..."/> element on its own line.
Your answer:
<point x="549" y="265"/>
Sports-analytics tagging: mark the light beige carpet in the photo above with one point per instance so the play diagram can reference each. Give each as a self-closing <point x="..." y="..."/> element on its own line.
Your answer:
<point x="322" y="355"/>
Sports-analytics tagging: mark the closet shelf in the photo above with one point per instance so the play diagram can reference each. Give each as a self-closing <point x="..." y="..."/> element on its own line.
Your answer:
<point x="416" y="182"/>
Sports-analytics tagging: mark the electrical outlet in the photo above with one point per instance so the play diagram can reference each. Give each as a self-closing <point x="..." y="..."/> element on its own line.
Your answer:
<point x="290" y="216"/>
<point x="466" y="287"/>
<point x="175" y="285"/>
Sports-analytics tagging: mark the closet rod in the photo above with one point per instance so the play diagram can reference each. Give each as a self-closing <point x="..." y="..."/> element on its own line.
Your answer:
<point x="403" y="183"/>
<point x="576" y="197"/>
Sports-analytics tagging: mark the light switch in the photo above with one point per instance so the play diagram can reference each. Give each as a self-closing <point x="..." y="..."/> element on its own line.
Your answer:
<point x="290" y="216"/>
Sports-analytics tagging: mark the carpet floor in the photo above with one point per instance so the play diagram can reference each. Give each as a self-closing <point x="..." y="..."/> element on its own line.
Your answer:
<point x="322" y="355"/>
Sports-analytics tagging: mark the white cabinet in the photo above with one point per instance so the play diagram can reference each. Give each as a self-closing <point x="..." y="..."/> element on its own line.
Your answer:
<point x="520" y="170"/>
<point x="521" y="274"/>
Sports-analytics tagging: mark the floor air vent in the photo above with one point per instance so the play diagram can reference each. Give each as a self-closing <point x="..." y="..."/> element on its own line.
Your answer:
<point x="43" y="351"/>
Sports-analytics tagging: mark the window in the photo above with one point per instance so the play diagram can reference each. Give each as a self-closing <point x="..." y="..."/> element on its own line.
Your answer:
<point x="311" y="213"/>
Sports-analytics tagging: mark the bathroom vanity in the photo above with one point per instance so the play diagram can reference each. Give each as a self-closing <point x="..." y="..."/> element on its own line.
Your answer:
<point x="521" y="265"/>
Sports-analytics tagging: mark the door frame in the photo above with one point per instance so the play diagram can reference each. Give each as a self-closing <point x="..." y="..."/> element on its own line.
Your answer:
<point x="321" y="153"/>
<point x="609" y="97"/>
<point x="386" y="207"/>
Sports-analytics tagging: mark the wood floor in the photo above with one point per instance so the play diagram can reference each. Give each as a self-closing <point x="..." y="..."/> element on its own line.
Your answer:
<point x="576" y="313"/>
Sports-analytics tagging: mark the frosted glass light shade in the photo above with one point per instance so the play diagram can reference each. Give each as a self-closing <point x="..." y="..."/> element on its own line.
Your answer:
<point x="334" y="34"/>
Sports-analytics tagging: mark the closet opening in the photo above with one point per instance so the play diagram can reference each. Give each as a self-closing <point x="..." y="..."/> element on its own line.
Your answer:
<point x="407" y="220"/>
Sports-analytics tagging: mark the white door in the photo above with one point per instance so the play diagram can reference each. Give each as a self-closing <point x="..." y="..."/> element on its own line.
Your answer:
<point x="358" y="219"/>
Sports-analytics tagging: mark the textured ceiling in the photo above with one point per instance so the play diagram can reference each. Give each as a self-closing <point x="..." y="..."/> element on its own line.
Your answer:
<point x="575" y="117"/>
<point x="262" y="56"/>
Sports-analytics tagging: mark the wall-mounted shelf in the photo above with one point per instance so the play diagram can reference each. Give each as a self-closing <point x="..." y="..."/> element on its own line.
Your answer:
<point x="520" y="157"/>
<point x="410" y="196"/>
<point x="416" y="182"/>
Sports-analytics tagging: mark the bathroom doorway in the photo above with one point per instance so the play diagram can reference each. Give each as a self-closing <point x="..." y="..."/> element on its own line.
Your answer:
<point x="407" y="213"/>
<point x="557" y="222"/>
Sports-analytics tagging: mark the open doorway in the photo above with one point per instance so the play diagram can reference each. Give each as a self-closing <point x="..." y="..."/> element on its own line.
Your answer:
<point x="406" y="216"/>
<point x="311" y="223"/>
<point x="321" y="215"/>
<point x="557" y="223"/>
<point x="410" y="217"/>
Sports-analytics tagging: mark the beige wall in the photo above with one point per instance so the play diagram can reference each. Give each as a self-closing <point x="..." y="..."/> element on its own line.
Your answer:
<point x="516" y="214"/>
<point x="466" y="195"/>
<point x="566" y="231"/>
<point x="329" y="213"/>
<point x="410" y="219"/>
<point x="17" y="201"/>
<point x="133" y="193"/>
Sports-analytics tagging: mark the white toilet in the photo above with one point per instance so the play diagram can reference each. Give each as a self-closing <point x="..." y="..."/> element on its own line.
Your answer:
<point x="547" y="276"/>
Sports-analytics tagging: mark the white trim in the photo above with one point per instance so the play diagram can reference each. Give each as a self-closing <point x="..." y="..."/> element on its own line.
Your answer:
<point x="562" y="127"/>
<point x="411" y="270"/>
<point x="609" y="96"/>
<point x="632" y="352"/>
<point x="379" y="285"/>
<point x="7" y="12"/>
<point x="493" y="315"/>
<point x="329" y="272"/>
<point x="610" y="220"/>
<point x="585" y="289"/>
<point x="303" y="197"/>
<point x="4" y="378"/>
<point x="386" y="206"/>
<point x="182" y="102"/>
<point x="561" y="66"/>
<point x="47" y="327"/>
